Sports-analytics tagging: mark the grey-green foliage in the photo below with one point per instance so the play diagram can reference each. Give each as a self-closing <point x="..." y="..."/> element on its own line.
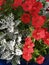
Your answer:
<point x="10" y="39"/>
<point x="44" y="9"/>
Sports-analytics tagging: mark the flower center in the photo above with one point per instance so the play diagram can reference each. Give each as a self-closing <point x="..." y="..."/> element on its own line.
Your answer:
<point x="38" y="33"/>
<point x="28" y="46"/>
<point x="48" y="39"/>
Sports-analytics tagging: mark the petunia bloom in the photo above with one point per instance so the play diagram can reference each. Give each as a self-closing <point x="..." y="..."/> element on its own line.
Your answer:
<point x="25" y="18"/>
<point x="46" y="39"/>
<point x="38" y="33"/>
<point x="38" y="21"/>
<point x="40" y="59"/>
<point x="2" y="2"/>
<point x="28" y="49"/>
<point x="16" y="3"/>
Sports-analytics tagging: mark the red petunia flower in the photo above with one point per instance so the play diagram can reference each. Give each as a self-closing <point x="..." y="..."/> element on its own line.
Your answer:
<point x="31" y="0"/>
<point x="28" y="46"/>
<point x="39" y="5"/>
<point x="47" y="0"/>
<point x="27" y="56"/>
<point x="28" y="39"/>
<point x="40" y="59"/>
<point x="28" y="49"/>
<point x="46" y="39"/>
<point x="38" y="21"/>
<point x="16" y="3"/>
<point x="27" y="5"/>
<point x="25" y="18"/>
<point x="36" y="8"/>
<point x="2" y="2"/>
<point x="34" y="11"/>
<point x="38" y="33"/>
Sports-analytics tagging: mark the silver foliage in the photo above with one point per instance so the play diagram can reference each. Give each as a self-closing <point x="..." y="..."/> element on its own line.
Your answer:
<point x="10" y="39"/>
<point x="44" y="9"/>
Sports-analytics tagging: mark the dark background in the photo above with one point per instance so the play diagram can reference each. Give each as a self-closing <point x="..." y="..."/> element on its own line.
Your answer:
<point x="46" y="62"/>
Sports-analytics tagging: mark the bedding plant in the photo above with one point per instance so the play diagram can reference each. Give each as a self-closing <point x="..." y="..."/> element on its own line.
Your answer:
<point x="24" y="30"/>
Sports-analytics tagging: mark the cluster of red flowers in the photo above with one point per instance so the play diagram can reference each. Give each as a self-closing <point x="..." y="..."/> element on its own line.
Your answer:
<point x="38" y="33"/>
<point x="32" y="9"/>
<point x="28" y="49"/>
<point x="41" y="33"/>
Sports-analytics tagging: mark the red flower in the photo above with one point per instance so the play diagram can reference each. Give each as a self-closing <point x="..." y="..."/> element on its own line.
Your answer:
<point x="28" y="46"/>
<point x="27" y="5"/>
<point x="28" y="39"/>
<point x="25" y="18"/>
<point x="40" y="59"/>
<point x="36" y="8"/>
<point x="34" y="11"/>
<point x="39" y="5"/>
<point x="46" y="39"/>
<point x="27" y="56"/>
<point x="28" y="49"/>
<point x="38" y="33"/>
<point x="16" y="3"/>
<point x="38" y="21"/>
<point x="47" y="0"/>
<point x="31" y="0"/>
<point x="2" y="2"/>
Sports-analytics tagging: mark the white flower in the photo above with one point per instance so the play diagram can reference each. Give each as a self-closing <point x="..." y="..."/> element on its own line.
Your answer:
<point x="18" y="52"/>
